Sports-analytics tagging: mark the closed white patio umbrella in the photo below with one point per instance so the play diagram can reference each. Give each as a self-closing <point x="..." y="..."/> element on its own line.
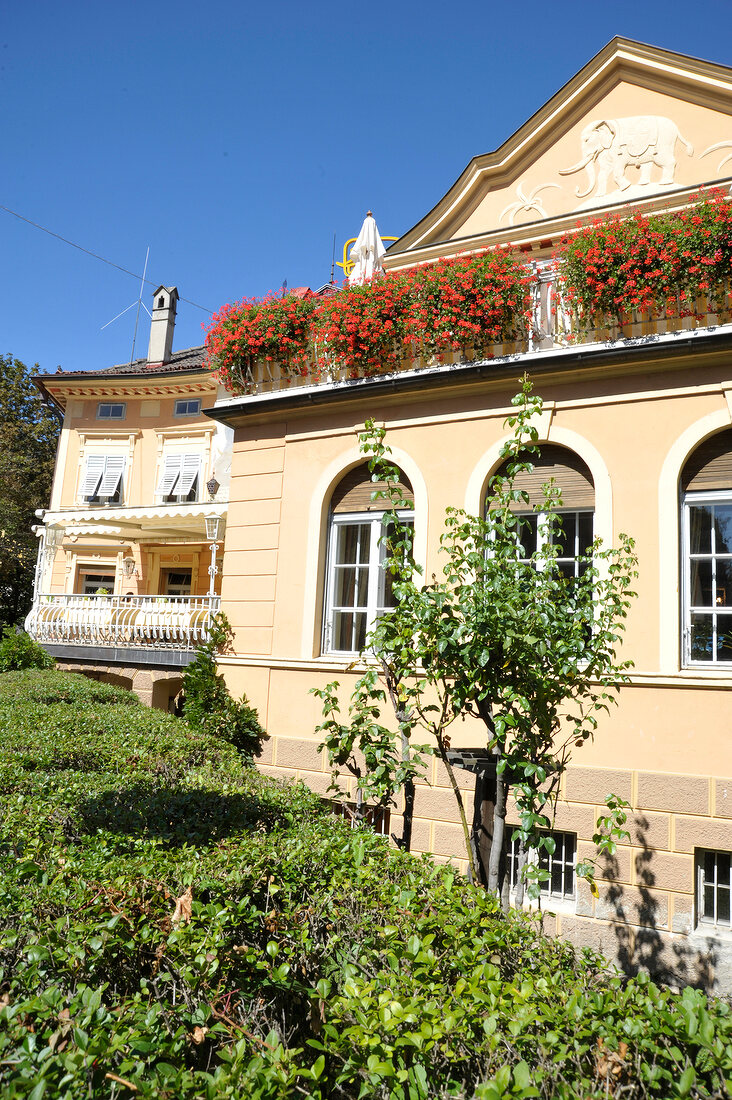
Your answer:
<point x="367" y="254"/>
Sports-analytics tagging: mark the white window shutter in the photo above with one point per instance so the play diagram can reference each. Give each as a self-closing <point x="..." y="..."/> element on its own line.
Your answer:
<point x="170" y="474"/>
<point x="113" y="470"/>
<point x="93" y="475"/>
<point x="191" y="466"/>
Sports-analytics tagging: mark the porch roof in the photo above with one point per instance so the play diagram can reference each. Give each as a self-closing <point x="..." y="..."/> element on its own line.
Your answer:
<point x="136" y="523"/>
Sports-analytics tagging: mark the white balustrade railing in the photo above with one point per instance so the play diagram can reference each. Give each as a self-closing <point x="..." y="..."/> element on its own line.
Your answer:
<point x="155" y="622"/>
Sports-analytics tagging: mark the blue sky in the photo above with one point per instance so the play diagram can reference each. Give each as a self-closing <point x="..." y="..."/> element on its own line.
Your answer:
<point x="235" y="140"/>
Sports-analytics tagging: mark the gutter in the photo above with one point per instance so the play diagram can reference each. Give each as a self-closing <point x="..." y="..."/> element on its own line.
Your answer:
<point x="650" y="348"/>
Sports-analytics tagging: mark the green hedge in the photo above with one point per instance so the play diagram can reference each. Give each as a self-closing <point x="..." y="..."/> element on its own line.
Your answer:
<point x="314" y="962"/>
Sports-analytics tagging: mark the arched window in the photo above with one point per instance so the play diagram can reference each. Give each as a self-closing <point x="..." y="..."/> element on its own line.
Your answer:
<point x="706" y="485"/>
<point x="572" y="476"/>
<point x="358" y="589"/>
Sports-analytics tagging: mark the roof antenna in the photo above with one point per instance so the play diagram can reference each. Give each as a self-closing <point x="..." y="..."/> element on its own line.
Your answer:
<point x="332" y="262"/>
<point x="132" y="305"/>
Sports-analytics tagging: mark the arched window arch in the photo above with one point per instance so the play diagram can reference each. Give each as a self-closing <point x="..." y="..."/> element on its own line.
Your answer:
<point x="706" y="487"/>
<point x="357" y="588"/>
<point x="573" y="478"/>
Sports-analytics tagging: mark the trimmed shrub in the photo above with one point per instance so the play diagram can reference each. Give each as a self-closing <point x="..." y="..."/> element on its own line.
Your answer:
<point x="209" y="707"/>
<point x="45" y="686"/>
<point x="18" y="650"/>
<point x="174" y="924"/>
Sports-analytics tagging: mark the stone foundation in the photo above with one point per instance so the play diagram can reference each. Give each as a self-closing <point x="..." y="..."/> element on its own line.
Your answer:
<point x="154" y="687"/>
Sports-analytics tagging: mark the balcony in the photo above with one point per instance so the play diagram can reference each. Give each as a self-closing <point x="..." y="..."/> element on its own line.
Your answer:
<point x="178" y="624"/>
<point x="550" y="327"/>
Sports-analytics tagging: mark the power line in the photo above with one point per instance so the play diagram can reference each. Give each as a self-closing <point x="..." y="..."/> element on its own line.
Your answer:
<point x="95" y="255"/>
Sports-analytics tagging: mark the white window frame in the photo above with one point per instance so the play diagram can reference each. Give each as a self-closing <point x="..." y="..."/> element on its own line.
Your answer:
<point x="547" y="860"/>
<point x="100" y="485"/>
<point x="187" y="401"/>
<point x="177" y="478"/>
<point x="541" y="532"/>
<point x="691" y="499"/>
<point x="122" y="415"/>
<point x="376" y="576"/>
<point x="704" y="919"/>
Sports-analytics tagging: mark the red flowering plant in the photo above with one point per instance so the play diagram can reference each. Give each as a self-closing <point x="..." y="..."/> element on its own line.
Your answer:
<point x="271" y="330"/>
<point x="468" y="303"/>
<point x="657" y="263"/>
<point x="464" y="303"/>
<point x="362" y="327"/>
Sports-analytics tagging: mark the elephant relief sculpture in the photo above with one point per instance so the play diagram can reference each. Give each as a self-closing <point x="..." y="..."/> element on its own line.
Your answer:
<point x="610" y="145"/>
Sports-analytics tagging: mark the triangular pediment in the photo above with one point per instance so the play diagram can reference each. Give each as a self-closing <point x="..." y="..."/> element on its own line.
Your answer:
<point x="637" y="126"/>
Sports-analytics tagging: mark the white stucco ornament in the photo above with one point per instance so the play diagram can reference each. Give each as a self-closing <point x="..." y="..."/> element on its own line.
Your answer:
<point x="611" y="145"/>
<point x="367" y="254"/>
<point x="526" y="204"/>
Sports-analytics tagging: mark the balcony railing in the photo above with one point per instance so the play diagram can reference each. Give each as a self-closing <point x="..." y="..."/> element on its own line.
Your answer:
<point x="150" y="622"/>
<point x="551" y="327"/>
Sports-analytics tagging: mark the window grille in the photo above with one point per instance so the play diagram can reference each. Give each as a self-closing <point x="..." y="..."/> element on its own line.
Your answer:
<point x="714" y="886"/>
<point x="559" y="865"/>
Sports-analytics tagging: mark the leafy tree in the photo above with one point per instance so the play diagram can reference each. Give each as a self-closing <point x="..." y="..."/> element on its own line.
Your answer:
<point x="209" y="707"/>
<point x="28" y="437"/>
<point x="499" y="637"/>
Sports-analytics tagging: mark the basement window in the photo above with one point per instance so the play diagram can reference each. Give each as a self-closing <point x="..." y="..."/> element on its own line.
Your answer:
<point x="558" y="865"/>
<point x="714" y="886"/>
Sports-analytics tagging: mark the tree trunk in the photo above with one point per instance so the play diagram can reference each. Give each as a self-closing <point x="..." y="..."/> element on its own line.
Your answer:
<point x="473" y="872"/>
<point x="520" y="876"/>
<point x="402" y="717"/>
<point x="406" y="842"/>
<point x="497" y="864"/>
<point x="484" y="802"/>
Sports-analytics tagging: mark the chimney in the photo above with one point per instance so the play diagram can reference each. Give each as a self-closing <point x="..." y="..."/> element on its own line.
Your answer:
<point x="162" y="325"/>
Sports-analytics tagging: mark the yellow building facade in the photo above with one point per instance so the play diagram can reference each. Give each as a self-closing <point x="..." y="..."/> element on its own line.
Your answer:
<point x="128" y="573"/>
<point x="642" y="416"/>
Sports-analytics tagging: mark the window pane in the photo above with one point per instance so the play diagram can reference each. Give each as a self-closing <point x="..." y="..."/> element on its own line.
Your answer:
<point x="723" y="869"/>
<point x="700" y="586"/>
<point x="568" y="569"/>
<point x="723" y="906"/>
<point x="700" y="529"/>
<point x="527" y="534"/>
<point x="724" y="638"/>
<point x="709" y="902"/>
<point x="564" y="537"/>
<point x="723" y="593"/>
<point x="350" y="586"/>
<point x="556" y="876"/>
<point x="723" y="528"/>
<point x="702" y="637"/>
<point x="349" y="630"/>
<point x="352" y="544"/>
<point x="585" y="531"/>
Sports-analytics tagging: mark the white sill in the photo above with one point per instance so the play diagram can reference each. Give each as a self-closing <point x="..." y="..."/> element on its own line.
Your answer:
<point x="706" y="931"/>
<point x="545" y="904"/>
